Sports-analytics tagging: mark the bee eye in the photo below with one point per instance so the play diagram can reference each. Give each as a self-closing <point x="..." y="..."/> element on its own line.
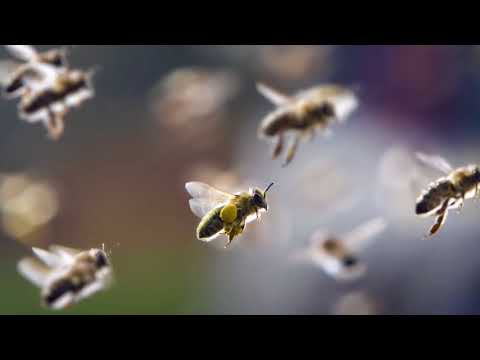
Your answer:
<point x="100" y="260"/>
<point x="257" y="200"/>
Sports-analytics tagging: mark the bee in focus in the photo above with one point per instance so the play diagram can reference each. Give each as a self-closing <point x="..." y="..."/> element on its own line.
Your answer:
<point x="338" y="256"/>
<point x="223" y="213"/>
<point x="67" y="276"/>
<point x="17" y="77"/>
<point x="448" y="192"/>
<point x="303" y="114"/>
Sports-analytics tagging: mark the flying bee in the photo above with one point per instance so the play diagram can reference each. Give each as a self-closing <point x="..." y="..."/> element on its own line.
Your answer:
<point x="61" y="90"/>
<point x="338" y="256"/>
<point x="17" y="77"/>
<point x="67" y="276"/>
<point x="223" y="213"/>
<point x="448" y="192"/>
<point x="304" y="114"/>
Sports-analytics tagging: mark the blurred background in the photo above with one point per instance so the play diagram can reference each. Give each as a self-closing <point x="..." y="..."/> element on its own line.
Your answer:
<point x="165" y="115"/>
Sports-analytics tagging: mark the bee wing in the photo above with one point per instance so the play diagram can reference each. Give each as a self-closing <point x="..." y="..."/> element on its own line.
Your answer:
<point x="7" y="68"/>
<point x="435" y="162"/>
<point x="34" y="271"/>
<point x="207" y="193"/>
<point x="361" y="237"/>
<point x="201" y="207"/>
<point x="66" y="253"/>
<point x="273" y="95"/>
<point x="52" y="260"/>
<point x="22" y="52"/>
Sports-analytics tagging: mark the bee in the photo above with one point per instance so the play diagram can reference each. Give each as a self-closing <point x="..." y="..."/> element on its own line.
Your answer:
<point x="60" y="91"/>
<point x="67" y="276"/>
<point x="338" y="256"/>
<point x="17" y="78"/>
<point x="448" y="192"/>
<point x="223" y="213"/>
<point x="304" y="114"/>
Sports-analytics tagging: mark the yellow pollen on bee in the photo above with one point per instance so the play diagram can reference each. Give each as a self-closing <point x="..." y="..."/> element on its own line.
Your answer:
<point x="229" y="214"/>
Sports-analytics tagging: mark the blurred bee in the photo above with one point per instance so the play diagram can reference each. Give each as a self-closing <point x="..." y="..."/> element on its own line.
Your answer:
<point x="27" y="205"/>
<point x="60" y="91"/>
<point x="17" y="78"/>
<point x="223" y="213"/>
<point x="304" y="113"/>
<point x="67" y="276"/>
<point x="338" y="256"/>
<point x="357" y="303"/>
<point x="447" y="193"/>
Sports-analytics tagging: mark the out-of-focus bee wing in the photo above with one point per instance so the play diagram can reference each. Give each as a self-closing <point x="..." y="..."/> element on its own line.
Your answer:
<point x="22" y="52"/>
<point x="50" y="259"/>
<point x="66" y="253"/>
<point x="34" y="271"/>
<point x="361" y="237"/>
<point x="435" y="162"/>
<point x="7" y="68"/>
<point x="48" y="72"/>
<point x="273" y="95"/>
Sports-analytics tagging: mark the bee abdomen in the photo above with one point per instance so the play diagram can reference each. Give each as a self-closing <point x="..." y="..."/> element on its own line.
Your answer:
<point x="277" y="122"/>
<point x="58" y="291"/>
<point x="14" y="86"/>
<point x="210" y="226"/>
<point x="433" y="198"/>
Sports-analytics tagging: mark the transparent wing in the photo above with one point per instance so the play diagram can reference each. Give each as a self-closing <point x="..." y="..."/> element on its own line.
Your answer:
<point x="362" y="236"/>
<point x="50" y="259"/>
<point x="201" y="207"/>
<point x="273" y="95"/>
<point x="435" y="162"/>
<point x="34" y="271"/>
<point x="207" y="193"/>
<point x="22" y="52"/>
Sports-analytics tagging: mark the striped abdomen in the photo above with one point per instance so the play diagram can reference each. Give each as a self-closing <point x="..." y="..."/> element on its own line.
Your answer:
<point x="300" y="119"/>
<point x="50" y="97"/>
<point x="210" y="225"/>
<point x="435" y="196"/>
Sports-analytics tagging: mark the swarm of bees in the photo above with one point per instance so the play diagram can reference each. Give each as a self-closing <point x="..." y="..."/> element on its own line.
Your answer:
<point x="47" y="88"/>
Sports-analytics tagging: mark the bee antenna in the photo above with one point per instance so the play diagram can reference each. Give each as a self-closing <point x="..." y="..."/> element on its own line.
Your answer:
<point x="269" y="187"/>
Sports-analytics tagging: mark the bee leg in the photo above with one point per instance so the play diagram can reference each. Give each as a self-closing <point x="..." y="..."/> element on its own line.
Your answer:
<point x="440" y="221"/>
<point x="461" y="204"/>
<point x="277" y="150"/>
<point x="55" y="125"/>
<point x="292" y="150"/>
<point x="311" y="135"/>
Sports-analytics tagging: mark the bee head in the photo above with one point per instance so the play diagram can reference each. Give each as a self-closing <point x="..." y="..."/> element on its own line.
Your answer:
<point x="323" y="110"/>
<point x="259" y="198"/>
<point x="476" y="173"/>
<point x="100" y="258"/>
